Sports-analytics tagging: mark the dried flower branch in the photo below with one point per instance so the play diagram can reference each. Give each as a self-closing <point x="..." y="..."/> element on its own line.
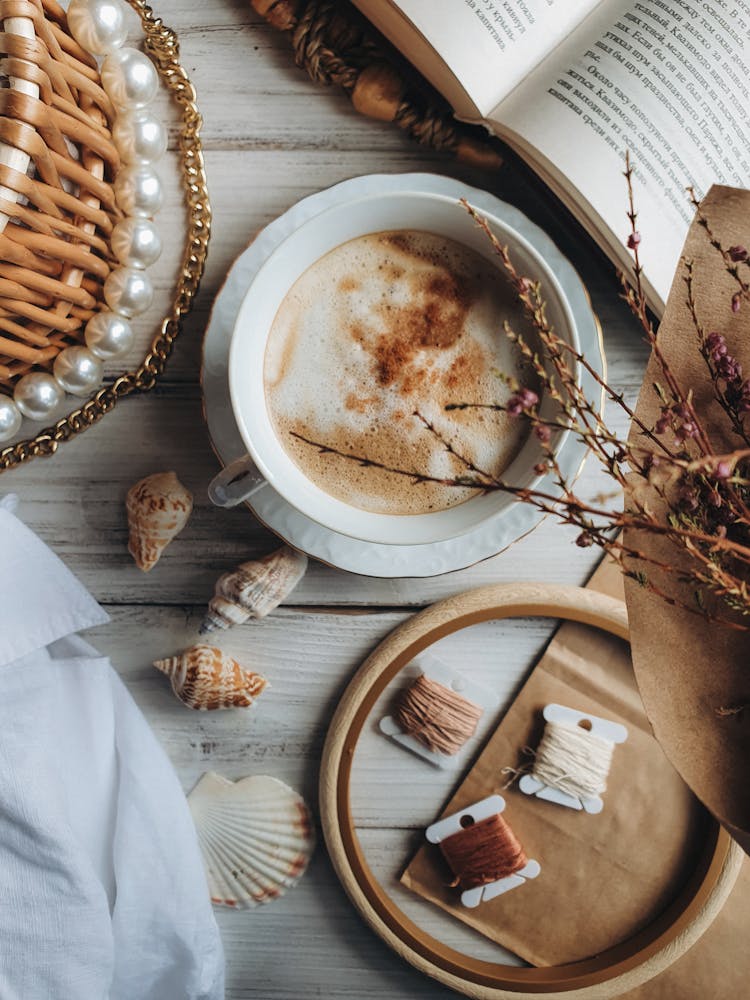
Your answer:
<point x="732" y="256"/>
<point x="703" y="496"/>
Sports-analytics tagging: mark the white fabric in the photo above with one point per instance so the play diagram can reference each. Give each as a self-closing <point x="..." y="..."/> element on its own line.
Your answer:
<point x="102" y="887"/>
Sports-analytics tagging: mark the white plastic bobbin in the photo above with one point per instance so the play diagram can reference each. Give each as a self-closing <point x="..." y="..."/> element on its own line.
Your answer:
<point x="436" y="670"/>
<point x="444" y="828"/>
<point x="613" y="732"/>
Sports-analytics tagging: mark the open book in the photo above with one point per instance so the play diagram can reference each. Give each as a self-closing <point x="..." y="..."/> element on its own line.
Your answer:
<point x="572" y="84"/>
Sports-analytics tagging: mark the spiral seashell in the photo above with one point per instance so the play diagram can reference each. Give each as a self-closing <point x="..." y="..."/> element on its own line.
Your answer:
<point x="158" y="509"/>
<point x="254" y="589"/>
<point x="204" y="678"/>
<point x="256" y="836"/>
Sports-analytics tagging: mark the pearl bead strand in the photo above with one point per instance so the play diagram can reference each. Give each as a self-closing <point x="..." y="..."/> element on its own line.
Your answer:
<point x="131" y="82"/>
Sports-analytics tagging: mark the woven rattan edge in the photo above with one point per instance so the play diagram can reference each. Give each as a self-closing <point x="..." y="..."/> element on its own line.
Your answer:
<point x="162" y="46"/>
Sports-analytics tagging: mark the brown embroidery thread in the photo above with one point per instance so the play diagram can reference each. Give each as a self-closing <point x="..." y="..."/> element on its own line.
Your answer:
<point x="483" y="852"/>
<point x="440" y="719"/>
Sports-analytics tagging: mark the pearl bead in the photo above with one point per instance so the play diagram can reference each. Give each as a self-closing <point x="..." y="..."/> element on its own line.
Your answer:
<point x="128" y="291"/>
<point x="139" y="137"/>
<point x="97" y="25"/>
<point x="37" y="395"/>
<point x="138" y="191"/>
<point x="136" y="242"/>
<point x="108" y="335"/>
<point x="129" y="78"/>
<point x="78" y="371"/>
<point x="10" y="418"/>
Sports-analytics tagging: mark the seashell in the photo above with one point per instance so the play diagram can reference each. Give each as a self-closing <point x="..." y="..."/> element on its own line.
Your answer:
<point x="254" y="589"/>
<point x="158" y="509"/>
<point x="204" y="678"/>
<point x="256" y="836"/>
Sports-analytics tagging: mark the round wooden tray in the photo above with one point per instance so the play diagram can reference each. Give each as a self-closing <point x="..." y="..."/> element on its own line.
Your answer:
<point x="606" y="975"/>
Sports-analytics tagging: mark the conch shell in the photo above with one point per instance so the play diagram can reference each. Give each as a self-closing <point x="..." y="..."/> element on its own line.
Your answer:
<point x="158" y="509"/>
<point x="254" y="589"/>
<point x="204" y="677"/>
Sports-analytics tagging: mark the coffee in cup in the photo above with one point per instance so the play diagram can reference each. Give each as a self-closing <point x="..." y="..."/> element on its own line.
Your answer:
<point x="377" y="337"/>
<point x="431" y="365"/>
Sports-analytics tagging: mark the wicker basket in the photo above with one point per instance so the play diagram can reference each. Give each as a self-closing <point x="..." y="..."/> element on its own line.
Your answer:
<point x="57" y="205"/>
<point x="54" y="224"/>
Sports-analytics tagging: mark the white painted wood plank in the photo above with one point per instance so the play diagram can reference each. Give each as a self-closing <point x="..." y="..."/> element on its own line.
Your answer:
<point x="312" y="943"/>
<point x="79" y="510"/>
<point x="308" y="659"/>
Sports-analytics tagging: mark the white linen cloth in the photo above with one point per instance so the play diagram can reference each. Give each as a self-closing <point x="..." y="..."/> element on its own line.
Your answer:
<point x="102" y="887"/>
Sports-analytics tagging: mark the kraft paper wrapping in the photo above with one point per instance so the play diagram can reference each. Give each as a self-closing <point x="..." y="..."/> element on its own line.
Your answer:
<point x="685" y="667"/>
<point x="603" y="877"/>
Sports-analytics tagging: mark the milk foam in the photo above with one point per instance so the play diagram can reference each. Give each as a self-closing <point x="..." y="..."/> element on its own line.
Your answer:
<point x="383" y="326"/>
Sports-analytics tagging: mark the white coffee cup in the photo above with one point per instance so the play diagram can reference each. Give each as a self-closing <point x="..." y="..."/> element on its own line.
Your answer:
<point x="268" y="462"/>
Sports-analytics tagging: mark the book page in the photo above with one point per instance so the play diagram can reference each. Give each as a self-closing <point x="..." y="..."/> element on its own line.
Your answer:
<point x="489" y="45"/>
<point x="668" y="80"/>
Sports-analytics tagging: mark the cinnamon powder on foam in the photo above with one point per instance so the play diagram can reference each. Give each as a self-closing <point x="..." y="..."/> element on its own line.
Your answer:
<point x="415" y="322"/>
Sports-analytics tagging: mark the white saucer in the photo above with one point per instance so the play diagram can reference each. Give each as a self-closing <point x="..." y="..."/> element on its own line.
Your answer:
<point x="301" y="532"/>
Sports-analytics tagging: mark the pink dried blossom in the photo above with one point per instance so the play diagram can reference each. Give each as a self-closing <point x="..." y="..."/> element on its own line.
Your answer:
<point x="716" y="344"/>
<point x="723" y="470"/>
<point x="523" y="400"/>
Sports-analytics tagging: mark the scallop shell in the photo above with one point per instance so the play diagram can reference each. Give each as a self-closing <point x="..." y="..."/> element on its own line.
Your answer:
<point x="254" y="589"/>
<point x="158" y="509"/>
<point x="256" y="836"/>
<point x="204" y="677"/>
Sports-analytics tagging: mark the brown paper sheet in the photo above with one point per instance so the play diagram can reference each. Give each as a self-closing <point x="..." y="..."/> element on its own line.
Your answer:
<point x="603" y="877"/>
<point x="685" y="667"/>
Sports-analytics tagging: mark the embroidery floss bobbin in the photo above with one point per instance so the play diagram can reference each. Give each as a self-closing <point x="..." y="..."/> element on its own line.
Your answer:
<point x="573" y="759"/>
<point x="482" y="851"/>
<point x="438" y="713"/>
<point x="436" y="716"/>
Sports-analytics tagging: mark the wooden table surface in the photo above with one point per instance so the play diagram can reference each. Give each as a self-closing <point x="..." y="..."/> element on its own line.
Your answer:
<point x="271" y="137"/>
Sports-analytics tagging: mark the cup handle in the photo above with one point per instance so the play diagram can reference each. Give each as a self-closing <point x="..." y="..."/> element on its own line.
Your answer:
<point x="235" y="483"/>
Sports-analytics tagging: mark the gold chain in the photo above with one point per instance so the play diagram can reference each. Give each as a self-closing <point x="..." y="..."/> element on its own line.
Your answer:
<point x="163" y="47"/>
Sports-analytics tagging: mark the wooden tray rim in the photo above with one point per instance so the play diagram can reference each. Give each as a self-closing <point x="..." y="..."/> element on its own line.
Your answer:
<point x="609" y="974"/>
